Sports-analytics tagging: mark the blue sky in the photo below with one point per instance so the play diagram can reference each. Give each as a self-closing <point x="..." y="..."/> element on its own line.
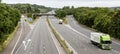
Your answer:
<point x="62" y="3"/>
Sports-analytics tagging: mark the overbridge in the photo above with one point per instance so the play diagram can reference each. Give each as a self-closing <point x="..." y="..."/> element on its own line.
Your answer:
<point x="45" y="14"/>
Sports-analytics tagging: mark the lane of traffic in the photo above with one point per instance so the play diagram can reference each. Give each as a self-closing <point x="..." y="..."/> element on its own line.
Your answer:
<point x="73" y="23"/>
<point x="77" y="41"/>
<point x="41" y="41"/>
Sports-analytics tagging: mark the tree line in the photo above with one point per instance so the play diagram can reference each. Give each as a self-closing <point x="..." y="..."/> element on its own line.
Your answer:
<point x="106" y="20"/>
<point x="10" y="15"/>
<point x="29" y="9"/>
<point x="9" y="18"/>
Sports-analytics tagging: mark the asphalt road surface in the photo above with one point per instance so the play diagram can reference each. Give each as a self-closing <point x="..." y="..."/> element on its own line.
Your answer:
<point x="10" y="47"/>
<point x="73" y="23"/>
<point x="80" y="43"/>
<point x="38" y="41"/>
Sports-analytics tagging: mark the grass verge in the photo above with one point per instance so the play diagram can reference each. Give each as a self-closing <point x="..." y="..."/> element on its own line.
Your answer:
<point x="31" y="22"/>
<point x="62" y="42"/>
<point x="10" y="36"/>
<point x="65" y="20"/>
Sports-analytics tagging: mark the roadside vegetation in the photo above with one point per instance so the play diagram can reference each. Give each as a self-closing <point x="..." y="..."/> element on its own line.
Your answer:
<point x="30" y="10"/>
<point x="106" y="20"/>
<point x="10" y="15"/>
<point x="9" y="18"/>
<point x="61" y="41"/>
<point x="65" y="20"/>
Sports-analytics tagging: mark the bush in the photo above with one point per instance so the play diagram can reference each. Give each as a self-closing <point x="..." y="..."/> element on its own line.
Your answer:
<point x="9" y="18"/>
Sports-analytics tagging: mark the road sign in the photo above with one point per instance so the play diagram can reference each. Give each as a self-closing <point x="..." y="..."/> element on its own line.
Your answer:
<point x="30" y="19"/>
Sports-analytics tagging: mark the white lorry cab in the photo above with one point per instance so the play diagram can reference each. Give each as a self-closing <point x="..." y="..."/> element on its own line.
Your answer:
<point x="101" y="40"/>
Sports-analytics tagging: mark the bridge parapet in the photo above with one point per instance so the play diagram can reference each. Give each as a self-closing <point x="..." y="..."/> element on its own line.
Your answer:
<point x="44" y="14"/>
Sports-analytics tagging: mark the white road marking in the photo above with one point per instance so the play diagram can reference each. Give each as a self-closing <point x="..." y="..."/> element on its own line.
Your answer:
<point x="89" y="38"/>
<point x="26" y="44"/>
<point x="84" y="35"/>
<point x="69" y="46"/>
<point x="18" y="37"/>
<point x="116" y="51"/>
<point x="44" y="49"/>
<point x="18" y="49"/>
<point x="30" y="32"/>
<point x="30" y="52"/>
<point x="115" y="42"/>
<point x="52" y="38"/>
<point x="76" y="31"/>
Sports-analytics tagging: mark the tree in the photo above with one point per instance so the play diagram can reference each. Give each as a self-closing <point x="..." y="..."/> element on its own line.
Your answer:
<point x="61" y="13"/>
<point x="9" y="18"/>
<point x="115" y="25"/>
<point x="102" y="19"/>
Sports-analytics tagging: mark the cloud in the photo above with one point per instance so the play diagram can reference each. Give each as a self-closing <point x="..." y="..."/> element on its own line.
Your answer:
<point x="76" y="3"/>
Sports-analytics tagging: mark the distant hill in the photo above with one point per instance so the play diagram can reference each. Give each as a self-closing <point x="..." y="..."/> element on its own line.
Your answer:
<point x="115" y="7"/>
<point x="30" y="8"/>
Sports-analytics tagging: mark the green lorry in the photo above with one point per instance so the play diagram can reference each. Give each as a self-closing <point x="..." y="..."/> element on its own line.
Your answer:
<point x="101" y="40"/>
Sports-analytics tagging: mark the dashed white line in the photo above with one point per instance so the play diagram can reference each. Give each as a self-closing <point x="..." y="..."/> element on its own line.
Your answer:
<point x="116" y="51"/>
<point x="30" y="42"/>
<point x="44" y="51"/>
<point x="83" y="34"/>
<point x="88" y="38"/>
<point x="115" y="42"/>
<point x="18" y="49"/>
<point x="30" y="52"/>
<point x="52" y="38"/>
<point x="69" y="46"/>
<point x="43" y="47"/>
<point x="18" y="38"/>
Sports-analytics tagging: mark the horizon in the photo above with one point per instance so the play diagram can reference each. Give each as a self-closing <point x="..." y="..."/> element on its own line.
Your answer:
<point x="75" y="3"/>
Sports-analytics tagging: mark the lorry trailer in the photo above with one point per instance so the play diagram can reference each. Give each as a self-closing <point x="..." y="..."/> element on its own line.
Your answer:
<point x="101" y="40"/>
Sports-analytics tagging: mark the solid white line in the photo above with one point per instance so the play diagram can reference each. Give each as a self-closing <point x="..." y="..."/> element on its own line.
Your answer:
<point x="83" y="34"/>
<point x="52" y="38"/>
<point x="18" y="49"/>
<point x="29" y="33"/>
<point x="116" y="51"/>
<point x="89" y="38"/>
<point x="69" y="46"/>
<point x="76" y="31"/>
<point x="18" y="38"/>
<point x="115" y="42"/>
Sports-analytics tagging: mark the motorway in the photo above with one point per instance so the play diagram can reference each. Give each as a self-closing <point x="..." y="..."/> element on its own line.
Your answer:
<point x="38" y="41"/>
<point x="79" y="40"/>
<point x="24" y="28"/>
<point x="86" y="32"/>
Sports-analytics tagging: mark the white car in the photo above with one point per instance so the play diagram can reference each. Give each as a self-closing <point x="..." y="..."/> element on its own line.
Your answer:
<point x="60" y="21"/>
